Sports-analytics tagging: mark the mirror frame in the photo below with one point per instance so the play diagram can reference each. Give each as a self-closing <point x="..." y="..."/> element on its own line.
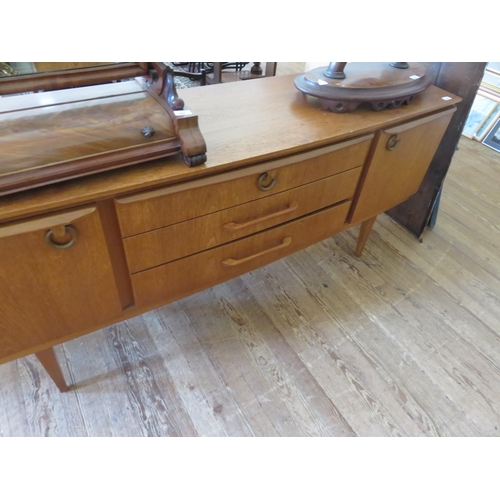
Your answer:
<point x="75" y="77"/>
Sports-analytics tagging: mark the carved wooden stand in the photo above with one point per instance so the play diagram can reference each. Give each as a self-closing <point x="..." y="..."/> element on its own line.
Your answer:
<point x="381" y="85"/>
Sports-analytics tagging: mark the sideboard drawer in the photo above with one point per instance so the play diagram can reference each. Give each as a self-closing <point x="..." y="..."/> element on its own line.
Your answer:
<point x="185" y="238"/>
<point x="184" y="277"/>
<point x="162" y="207"/>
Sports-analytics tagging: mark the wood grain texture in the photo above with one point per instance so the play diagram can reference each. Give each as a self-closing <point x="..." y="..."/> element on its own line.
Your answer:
<point x="318" y="344"/>
<point x="292" y="117"/>
<point x="114" y="241"/>
<point x="364" y="233"/>
<point x="76" y="136"/>
<point x="78" y="129"/>
<point x="177" y="279"/>
<point x="394" y="172"/>
<point x="157" y="247"/>
<point x="40" y="285"/>
<point x="157" y="208"/>
<point x="40" y="223"/>
<point x="403" y="341"/>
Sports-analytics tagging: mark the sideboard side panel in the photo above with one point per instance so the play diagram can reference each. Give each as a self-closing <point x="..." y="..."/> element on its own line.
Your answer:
<point x="461" y="79"/>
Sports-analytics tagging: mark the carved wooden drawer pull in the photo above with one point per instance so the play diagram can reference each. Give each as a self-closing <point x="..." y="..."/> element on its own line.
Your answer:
<point x="393" y="142"/>
<point x="235" y="226"/>
<point x="264" y="184"/>
<point x="235" y="262"/>
<point x="65" y="234"/>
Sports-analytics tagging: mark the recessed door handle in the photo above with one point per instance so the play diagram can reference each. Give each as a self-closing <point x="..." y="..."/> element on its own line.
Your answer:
<point x="236" y="262"/>
<point x="263" y="183"/>
<point x="235" y="226"/>
<point x="61" y="232"/>
<point x="393" y="142"/>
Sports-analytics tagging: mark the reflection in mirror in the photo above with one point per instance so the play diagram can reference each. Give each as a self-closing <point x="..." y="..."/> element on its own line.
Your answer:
<point x="9" y="69"/>
<point x="24" y="68"/>
<point x="28" y="77"/>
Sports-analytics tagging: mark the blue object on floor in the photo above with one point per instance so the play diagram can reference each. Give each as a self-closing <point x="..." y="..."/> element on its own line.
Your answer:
<point x="435" y="209"/>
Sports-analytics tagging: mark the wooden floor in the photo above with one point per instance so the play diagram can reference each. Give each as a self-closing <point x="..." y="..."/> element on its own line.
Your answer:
<point x="404" y="341"/>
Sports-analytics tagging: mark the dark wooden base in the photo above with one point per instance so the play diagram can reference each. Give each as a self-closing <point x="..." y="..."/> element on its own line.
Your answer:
<point x="194" y="161"/>
<point x="379" y="84"/>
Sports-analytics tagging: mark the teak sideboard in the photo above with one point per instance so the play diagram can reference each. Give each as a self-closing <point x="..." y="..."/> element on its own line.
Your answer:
<point x="281" y="174"/>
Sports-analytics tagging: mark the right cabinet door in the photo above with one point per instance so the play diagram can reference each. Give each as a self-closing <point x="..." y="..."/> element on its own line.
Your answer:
<point x="397" y="164"/>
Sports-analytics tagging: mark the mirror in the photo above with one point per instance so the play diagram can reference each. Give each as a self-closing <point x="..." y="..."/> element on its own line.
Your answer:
<point x="24" y="68"/>
<point x="21" y="77"/>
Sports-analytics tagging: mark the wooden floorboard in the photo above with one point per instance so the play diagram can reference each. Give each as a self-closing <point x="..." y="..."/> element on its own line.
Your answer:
<point x="402" y="341"/>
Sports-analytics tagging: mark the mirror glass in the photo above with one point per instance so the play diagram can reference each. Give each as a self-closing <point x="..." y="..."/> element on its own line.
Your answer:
<point x="26" y="68"/>
<point x="28" y="77"/>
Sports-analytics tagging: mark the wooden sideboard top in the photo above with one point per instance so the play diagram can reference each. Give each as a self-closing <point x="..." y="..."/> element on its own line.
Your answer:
<point x="243" y="123"/>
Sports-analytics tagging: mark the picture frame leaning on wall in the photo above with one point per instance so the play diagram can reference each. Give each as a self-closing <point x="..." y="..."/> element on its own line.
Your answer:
<point x="487" y="125"/>
<point x="483" y="109"/>
<point x="492" y="139"/>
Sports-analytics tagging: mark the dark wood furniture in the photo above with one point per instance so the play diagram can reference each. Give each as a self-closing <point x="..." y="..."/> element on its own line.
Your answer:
<point x="256" y="71"/>
<point x="381" y="85"/>
<point x="52" y="136"/>
<point x="282" y="174"/>
<point x="193" y="71"/>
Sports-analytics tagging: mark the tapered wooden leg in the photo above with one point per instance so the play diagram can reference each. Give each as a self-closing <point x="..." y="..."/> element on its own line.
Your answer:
<point x="51" y="365"/>
<point x="364" y="232"/>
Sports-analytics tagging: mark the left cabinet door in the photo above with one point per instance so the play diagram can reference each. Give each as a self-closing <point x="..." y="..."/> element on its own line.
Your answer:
<point x="56" y="281"/>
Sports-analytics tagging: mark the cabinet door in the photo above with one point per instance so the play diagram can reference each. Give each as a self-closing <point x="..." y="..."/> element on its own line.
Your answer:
<point x="55" y="280"/>
<point x="397" y="164"/>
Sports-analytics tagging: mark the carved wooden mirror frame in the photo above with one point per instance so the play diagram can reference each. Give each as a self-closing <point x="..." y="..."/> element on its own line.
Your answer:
<point x="154" y="84"/>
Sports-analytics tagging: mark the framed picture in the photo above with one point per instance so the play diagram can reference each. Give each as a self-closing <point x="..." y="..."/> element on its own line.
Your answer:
<point x="481" y="110"/>
<point x="492" y="139"/>
<point x="486" y="126"/>
<point x="491" y="78"/>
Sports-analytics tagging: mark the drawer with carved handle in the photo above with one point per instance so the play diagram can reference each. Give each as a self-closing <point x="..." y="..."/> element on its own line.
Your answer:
<point x="185" y="238"/>
<point x="184" y="277"/>
<point x="158" y="208"/>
